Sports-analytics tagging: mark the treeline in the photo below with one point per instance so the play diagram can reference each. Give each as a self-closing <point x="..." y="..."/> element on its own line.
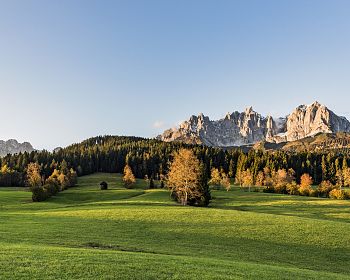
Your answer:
<point x="151" y="158"/>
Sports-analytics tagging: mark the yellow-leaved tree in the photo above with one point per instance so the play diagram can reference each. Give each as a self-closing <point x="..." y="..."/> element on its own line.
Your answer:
<point x="187" y="181"/>
<point x="128" y="178"/>
<point x="305" y="184"/>
<point x="33" y="178"/>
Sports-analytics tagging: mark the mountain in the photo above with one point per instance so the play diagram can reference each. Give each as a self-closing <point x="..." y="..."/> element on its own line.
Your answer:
<point x="249" y="127"/>
<point x="13" y="147"/>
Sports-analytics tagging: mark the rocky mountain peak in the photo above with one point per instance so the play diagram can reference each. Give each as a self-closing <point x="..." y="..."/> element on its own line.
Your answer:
<point x="249" y="127"/>
<point x="12" y="146"/>
<point x="249" y="110"/>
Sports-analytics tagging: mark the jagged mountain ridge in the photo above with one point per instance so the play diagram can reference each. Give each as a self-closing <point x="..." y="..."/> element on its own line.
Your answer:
<point x="13" y="147"/>
<point x="249" y="127"/>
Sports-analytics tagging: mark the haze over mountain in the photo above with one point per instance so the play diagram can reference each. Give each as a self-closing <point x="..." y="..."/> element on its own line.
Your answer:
<point x="249" y="127"/>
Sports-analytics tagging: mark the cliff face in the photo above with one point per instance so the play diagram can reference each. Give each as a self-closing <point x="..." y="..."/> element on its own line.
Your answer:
<point x="13" y="147"/>
<point x="249" y="127"/>
<point x="307" y="121"/>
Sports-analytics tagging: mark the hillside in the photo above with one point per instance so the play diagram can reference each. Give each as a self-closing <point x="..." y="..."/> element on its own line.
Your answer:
<point x="323" y="142"/>
<point x="84" y="233"/>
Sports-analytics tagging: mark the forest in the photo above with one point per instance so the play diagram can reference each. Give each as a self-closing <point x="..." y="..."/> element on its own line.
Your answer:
<point x="151" y="158"/>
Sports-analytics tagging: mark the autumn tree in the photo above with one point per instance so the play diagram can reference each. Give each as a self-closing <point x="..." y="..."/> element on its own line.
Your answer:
<point x="247" y="179"/>
<point x="128" y="178"/>
<point x="325" y="188"/>
<point x="225" y="182"/>
<point x="187" y="179"/>
<point x="305" y="184"/>
<point x="33" y="177"/>
<point x="260" y="178"/>
<point x="281" y="179"/>
<point x="219" y="179"/>
<point x="34" y="182"/>
<point x="215" y="178"/>
<point x="346" y="177"/>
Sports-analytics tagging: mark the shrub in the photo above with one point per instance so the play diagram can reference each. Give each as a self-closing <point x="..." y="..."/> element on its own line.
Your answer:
<point x="39" y="194"/>
<point x="151" y="184"/>
<point x="280" y="188"/>
<point x="292" y="188"/>
<point x="325" y="188"/>
<point x="51" y="188"/>
<point x="314" y="193"/>
<point x="305" y="190"/>
<point x="338" y="194"/>
<point x="269" y="189"/>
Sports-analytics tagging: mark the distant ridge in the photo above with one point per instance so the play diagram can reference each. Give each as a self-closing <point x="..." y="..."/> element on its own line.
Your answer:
<point x="249" y="127"/>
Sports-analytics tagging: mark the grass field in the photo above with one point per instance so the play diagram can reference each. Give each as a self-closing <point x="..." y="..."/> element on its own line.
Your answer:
<point x="85" y="233"/>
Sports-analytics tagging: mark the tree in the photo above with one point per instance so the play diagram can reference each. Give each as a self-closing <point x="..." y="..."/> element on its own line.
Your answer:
<point x="225" y="182"/>
<point x="33" y="175"/>
<point x="128" y="178"/>
<point x="306" y="180"/>
<point x="259" y="180"/>
<point x="305" y="184"/>
<point x="247" y="179"/>
<point x="346" y="177"/>
<point x="187" y="179"/>
<point x="281" y="179"/>
<point x="63" y="180"/>
<point x="34" y="182"/>
<point x="325" y="188"/>
<point x="216" y="178"/>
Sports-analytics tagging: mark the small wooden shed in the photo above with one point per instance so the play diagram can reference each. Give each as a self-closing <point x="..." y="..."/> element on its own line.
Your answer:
<point x="103" y="185"/>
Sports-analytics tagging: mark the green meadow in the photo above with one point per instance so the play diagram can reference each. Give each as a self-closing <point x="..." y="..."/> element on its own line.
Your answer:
<point x="85" y="233"/>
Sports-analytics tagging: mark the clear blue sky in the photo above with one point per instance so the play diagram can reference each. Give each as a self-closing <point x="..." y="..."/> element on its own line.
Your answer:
<point x="74" y="69"/>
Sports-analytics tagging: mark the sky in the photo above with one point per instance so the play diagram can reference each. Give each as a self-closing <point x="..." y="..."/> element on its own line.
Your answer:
<point x="71" y="69"/>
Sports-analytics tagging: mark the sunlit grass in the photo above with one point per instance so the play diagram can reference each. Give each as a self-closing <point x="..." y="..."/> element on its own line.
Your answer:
<point x="85" y="233"/>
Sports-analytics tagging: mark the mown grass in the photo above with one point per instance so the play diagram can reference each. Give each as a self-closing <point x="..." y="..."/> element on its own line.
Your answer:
<point x="85" y="233"/>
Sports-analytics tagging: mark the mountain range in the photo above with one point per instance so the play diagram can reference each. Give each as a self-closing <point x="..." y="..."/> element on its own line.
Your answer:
<point x="250" y="127"/>
<point x="297" y="131"/>
<point x="13" y="147"/>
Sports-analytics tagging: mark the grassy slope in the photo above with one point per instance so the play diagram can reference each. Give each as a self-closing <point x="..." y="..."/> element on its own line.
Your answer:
<point x="85" y="233"/>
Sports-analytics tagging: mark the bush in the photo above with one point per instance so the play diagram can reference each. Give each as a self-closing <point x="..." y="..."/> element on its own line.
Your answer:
<point x="325" y="188"/>
<point x="292" y="188"/>
<point x="305" y="190"/>
<point x="269" y="189"/>
<point x="280" y="188"/>
<point x="314" y="193"/>
<point x="51" y="189"/>
<point x="39" y="194"/>
<point x="338" y="194"/>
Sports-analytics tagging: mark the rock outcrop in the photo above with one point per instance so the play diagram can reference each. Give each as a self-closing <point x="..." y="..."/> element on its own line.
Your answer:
<point x="13" y="147"/>
<point x="249" y="127"/>
<point x="310" y="120"/>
